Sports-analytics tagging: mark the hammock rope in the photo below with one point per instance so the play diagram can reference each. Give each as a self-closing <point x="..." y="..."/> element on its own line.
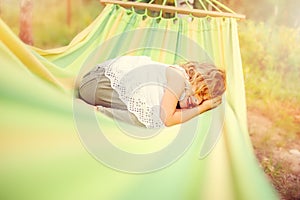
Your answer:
<point x="165" y="7"/>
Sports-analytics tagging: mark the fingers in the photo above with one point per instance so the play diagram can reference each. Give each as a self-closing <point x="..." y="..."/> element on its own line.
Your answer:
<point x="217" y="100"/>
<point x="212" y="103"/>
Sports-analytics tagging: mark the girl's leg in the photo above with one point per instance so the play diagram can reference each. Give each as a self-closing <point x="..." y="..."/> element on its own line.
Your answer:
<point x="96" y="89"/>
<point x="122" y="115"/>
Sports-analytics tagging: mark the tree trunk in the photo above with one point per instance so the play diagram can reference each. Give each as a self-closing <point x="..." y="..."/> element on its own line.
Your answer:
<point x="69" y="12"/>
<point x="25" y="33"/>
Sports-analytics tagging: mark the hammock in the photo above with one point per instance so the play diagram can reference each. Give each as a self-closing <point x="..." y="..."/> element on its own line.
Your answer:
<point x="56" y="147"/>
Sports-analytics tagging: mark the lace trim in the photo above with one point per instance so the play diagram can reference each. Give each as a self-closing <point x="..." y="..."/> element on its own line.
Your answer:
<point x="132" y="96"/>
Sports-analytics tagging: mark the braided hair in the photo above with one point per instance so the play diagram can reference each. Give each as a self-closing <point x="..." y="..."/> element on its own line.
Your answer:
<point x="206" y="79"/>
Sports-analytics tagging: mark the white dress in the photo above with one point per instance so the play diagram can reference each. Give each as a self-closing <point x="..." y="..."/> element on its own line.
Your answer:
<point x="140" y="83"/>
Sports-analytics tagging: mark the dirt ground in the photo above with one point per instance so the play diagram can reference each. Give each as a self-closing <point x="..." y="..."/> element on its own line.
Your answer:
<point x="278" y="153"/>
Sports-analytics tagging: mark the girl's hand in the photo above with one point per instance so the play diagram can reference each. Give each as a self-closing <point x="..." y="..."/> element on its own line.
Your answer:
<point x="210" y="104"/>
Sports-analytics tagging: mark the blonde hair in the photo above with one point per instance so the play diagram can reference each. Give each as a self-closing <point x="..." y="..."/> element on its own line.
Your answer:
<point x="206" y="79"/>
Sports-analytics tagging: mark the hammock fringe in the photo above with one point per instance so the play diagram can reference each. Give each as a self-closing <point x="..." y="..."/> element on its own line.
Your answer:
<point x="174" y="9"/>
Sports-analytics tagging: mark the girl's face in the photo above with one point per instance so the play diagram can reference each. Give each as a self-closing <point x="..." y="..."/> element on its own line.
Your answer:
<point x="191" y="101"/>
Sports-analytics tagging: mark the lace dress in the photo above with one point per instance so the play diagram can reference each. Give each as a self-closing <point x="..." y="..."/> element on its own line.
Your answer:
<point x="140" y="83"/>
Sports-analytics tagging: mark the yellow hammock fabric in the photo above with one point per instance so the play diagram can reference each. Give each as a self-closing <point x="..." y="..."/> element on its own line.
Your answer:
<point x="48" y="147"/>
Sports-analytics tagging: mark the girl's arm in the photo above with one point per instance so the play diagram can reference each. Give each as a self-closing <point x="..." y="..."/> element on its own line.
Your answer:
<point x="168" y="112"/>
<point x="171" y="116"/>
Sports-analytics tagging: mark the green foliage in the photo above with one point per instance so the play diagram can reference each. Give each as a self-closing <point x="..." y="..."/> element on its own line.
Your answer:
<point x="280" y="12"/>
<point x="49" y="20"/>
<point x="52" y="30"/>
<point x="271" y="64"/>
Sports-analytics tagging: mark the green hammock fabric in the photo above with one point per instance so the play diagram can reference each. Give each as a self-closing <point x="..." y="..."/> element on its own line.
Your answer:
<point x="44" y="157"/>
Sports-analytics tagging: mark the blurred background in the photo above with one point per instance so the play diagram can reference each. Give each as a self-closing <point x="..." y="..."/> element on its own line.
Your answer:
<point x="269" y="42"/>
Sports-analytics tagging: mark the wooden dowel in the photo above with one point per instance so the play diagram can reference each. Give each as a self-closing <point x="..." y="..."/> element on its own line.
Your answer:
<point x="172" y="9"/>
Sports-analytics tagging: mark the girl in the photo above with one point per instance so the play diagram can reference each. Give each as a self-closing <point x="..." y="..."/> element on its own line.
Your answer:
<point x="143" y="92"/>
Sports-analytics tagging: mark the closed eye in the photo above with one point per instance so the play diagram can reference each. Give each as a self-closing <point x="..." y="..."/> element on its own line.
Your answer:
<point x="198" y="100"/>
